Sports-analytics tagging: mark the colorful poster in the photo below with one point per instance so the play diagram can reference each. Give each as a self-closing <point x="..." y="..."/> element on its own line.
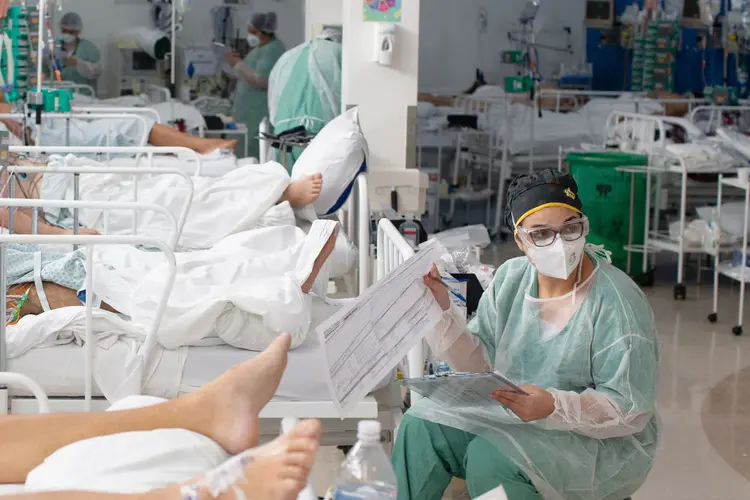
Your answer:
<point x="383" y="11"/>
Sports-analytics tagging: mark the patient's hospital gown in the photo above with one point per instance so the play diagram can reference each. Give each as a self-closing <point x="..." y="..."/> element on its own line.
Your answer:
<point x="597" y="353"/>
<point x="220" y="206"/>
<point x="64" y="269"/>
<point x="123" y="132"/>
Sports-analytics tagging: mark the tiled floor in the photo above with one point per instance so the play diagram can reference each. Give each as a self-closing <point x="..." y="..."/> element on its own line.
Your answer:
<point x="704" y="399"/>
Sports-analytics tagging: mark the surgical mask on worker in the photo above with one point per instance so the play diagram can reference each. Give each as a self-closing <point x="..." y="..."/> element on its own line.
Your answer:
<point x="558" y="260"/>
<point x="67" y="38"/>
<point x="253" y="41"/>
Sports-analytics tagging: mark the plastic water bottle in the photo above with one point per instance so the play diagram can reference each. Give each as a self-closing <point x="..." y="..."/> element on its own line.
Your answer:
<point x="366" y="473"/>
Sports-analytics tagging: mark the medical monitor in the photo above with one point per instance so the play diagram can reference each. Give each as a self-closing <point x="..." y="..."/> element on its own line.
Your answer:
<point x="599" y="14"/>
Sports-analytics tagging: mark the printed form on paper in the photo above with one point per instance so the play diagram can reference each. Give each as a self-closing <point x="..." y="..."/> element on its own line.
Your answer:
<point x="363" y="342"/>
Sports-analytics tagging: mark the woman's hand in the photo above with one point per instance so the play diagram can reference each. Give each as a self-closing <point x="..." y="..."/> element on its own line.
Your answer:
<point x="232" y="58"/>
<point x="71" y="62"/>
<point x="535" y="405"/>
<point x="432" y="281"/>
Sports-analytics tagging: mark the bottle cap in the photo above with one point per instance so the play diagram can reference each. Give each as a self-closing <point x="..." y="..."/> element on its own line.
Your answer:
<point x="368" y="429"/>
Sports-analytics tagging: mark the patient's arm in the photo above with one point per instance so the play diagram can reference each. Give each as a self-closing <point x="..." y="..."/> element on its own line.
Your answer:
<point x="22" y="223"/>
<point x="58" y="297"/>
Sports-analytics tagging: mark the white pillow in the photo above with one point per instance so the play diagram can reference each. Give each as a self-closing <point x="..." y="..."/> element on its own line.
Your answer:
<point x="339" y="153"/>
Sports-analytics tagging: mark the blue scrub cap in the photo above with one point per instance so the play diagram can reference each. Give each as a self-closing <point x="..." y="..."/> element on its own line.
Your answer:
<point x="264" y="21"/>
<point x="73" y="21"/>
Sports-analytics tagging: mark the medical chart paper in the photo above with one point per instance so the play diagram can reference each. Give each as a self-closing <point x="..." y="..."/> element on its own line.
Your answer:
<point x="469" y="390"/>
<point x="365" y="341"/>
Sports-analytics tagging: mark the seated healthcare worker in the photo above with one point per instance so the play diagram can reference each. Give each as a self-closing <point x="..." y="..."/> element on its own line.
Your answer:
<point x="577" y="335"/>
<point x="79" y="57"/>
<point x="251" y="97"/>
<point x="304" y="88"/>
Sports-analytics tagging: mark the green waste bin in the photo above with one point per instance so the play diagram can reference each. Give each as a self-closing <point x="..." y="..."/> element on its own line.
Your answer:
<point x="605" y="194"/>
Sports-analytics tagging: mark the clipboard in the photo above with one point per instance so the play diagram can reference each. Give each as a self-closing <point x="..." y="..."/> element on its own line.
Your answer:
<point x="462" y="390"/>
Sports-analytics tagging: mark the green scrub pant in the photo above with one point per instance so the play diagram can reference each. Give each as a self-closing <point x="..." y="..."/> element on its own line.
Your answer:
<point x="426" y="456"/>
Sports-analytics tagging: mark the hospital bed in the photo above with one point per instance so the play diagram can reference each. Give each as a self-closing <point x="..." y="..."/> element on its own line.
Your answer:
<point x="648" y="135"/>
<point x="303" y="391"/>
<point x="519" y="137"/>
<point x="154" y="101"/>
<point x="59" y="367"/>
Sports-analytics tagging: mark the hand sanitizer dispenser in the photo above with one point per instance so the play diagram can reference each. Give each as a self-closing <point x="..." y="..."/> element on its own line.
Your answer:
<point x="385" y="36"/>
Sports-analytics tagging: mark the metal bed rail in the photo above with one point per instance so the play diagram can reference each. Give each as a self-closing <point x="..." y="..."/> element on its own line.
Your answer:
<point x="68" y="85"/>
<point x="715" y="116"/>
<point x="149" y="342"/>
<point x="393" y="250"/>
<point x="136" y="151"/>
<point x="135" y="171"/>
<point x="355" y="221"/>
<point x="87" y="110"/>
<point x="10" y="379"/>
<point x="108" y="117"/>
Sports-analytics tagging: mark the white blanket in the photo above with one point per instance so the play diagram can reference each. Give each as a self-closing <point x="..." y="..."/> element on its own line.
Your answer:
<point x="220" y="206"/>
<point x="244" y="292"/>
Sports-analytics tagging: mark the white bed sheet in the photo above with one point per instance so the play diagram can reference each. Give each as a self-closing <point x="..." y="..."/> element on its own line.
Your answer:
<point x="60" y="369"/>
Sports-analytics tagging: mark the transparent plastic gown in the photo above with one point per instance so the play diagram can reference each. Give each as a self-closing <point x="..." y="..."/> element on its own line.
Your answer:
<point x="594" y="350"/>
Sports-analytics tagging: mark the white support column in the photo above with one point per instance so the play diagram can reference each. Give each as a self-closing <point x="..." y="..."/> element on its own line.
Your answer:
<point x="386" y="95"/>
<point x="319" y="13"/>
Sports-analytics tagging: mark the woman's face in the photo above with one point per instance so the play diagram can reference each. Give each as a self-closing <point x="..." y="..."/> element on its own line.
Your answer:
<point x="550" y="217"/>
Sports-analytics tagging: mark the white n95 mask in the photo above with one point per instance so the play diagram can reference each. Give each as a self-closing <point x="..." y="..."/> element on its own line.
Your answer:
<point x="559" y="259"/>
<point x="253" y="41"/>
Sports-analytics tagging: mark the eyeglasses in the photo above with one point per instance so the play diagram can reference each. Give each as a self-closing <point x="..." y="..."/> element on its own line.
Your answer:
<point x="546" y="236"/>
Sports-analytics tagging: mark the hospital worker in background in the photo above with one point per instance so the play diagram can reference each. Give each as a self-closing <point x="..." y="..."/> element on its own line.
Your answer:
<point x="579" y="338"/>
<point x="304" y="88"/>
<point x="79" y="57"/>
<point x="251" y="97"/>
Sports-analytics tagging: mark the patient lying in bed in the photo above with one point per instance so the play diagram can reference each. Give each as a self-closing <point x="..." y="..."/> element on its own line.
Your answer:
<point x="247" y="290"/>
<point x="237" y="201"/>
<point x="122" y="133"/>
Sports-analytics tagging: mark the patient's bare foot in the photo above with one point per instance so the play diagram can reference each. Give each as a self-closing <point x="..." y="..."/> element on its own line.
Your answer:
<point x="318" y="264"/>
<point x="228" y="407"/>
<point x="284" y="475"/>
<point x="304" y="191"/>
<point x="211" y="145"/>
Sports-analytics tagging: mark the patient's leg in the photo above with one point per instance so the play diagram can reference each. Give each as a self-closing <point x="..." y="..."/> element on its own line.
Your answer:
<point x="164" y="136"/>
<point x="304" y="191"/>
<point x="281" y="474"/>
<point x="318" y="264"/>
<point x="225" y="410"/>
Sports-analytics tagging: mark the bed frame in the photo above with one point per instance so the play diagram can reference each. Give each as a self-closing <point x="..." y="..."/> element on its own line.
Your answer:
<point x="647" y="134"/>
<point x="355" y="221"/>
<point x="383" y="405"/>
